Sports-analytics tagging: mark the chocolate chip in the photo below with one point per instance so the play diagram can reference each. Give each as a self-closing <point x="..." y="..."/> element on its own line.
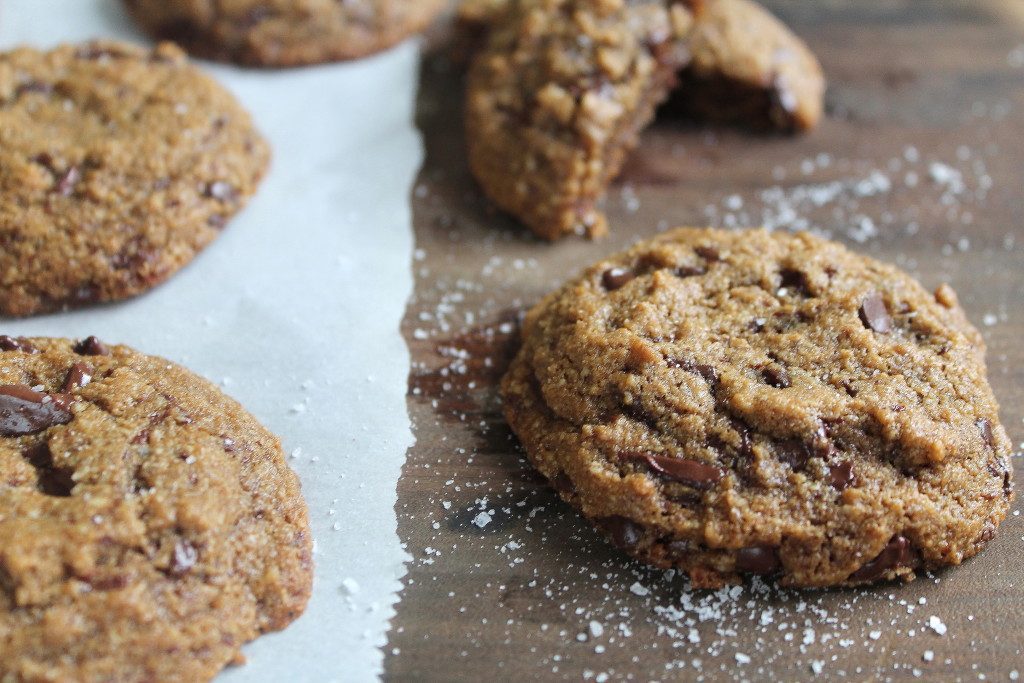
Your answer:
<point x="16" y="344"/>
<point x="33" y="87"/>
<point x="874" y="315"/>
<point x="614" y="278"/>
<point x="24" y="411"/>
<point x="793" y="452"/>
<point x="50" y="479"/>
<point x="689" y="271"/>
<point x="78" y="376"/>
<point x="758" y="559"/>
<point x="563" y="484"/>
<point x="899" y="552"/>
<point x="841" y="475"/>
<point x="699" y="475"/>
<point x="67" y="181"/>
<point x="985" y="427"/>
<point x="91" y="346"/>
<point x="708" y="253"/>
<point x="795" y="280"/>
<point x="625" y="534"/>
<point x="777" y="376"/>
<point x="184" y="557"/>
<point x="707" y="372"/>
<point x="221" y="191"/>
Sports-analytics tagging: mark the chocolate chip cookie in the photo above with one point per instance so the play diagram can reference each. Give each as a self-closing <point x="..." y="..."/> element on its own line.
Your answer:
<point x="117" y="166"/>
<point x="149" y="526"/>
<point x="562" y="88"/>
<point x="732" y="403"/>
<point x="282" y="33"/>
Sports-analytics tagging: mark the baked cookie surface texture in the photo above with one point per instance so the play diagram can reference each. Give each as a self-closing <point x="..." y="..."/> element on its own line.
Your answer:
<point x="117" y="166"/>
<point x="733" y="403"/>
<point x="561" y="89"/>
<point x="149" y="526"/>
<point x="283" y="33"/>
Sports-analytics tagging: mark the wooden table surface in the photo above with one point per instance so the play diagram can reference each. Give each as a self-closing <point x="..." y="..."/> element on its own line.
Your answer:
<point x="921" y="163"/>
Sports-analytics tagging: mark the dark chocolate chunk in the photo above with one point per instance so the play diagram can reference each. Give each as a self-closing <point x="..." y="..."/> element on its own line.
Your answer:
<point x="794" y="453"/>
<point x="78" y="376"/>
<point x="699" y="475"/>
<point x="985" y="427"/>
<point x="758" y="559"/>
<point x="563" y="484"/>
<point x="841" y="475"/>
<point x="91" y="346"/>
<point x="16" y="344"/>
<point x="24" y="411"/>
<point x="625" y="533"/>
<point x="874" y="315"/>
<point x="184" y="557"/>
<point x="777" y="376"/>
<point x="707" y="372"/>
<point x="899" y="552"/>
<point x="794" y="280"/>
<point x="689" y="271"/>
<point x="614" y="278"/>
<point x="50" y="479"/>
<point x="708" y="253"/>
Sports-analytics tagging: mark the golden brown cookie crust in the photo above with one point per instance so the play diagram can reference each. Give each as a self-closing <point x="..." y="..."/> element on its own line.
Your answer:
<point x="729" y="403"/>
<point x="562" y="88"/>
<point x="284" y="33"/>
<point x="118" y="165"/>
<point x="149" y="526"/>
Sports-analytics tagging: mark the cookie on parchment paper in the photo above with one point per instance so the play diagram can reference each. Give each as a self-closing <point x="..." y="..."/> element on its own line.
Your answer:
<point x="149" y="526"/>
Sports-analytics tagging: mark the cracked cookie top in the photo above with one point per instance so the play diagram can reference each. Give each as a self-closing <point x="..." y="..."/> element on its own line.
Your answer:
<point x="149" y="526"/>
<point x="729" y="402"/>
<point x="117" y="165"/>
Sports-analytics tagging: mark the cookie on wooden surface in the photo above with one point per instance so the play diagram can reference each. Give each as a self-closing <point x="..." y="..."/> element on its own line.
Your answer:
<point x="746" y="402"/>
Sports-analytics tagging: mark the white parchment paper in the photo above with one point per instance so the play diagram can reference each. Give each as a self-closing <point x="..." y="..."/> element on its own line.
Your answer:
<point x="295" y="312"/>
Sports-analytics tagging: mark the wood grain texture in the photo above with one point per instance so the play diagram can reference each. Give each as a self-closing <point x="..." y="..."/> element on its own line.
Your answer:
<point x="920" y="163"/>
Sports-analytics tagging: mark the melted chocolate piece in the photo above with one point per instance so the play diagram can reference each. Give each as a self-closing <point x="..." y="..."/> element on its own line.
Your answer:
<point x="777" y="376"/>
<point x="899" y="552"/>
<point x="16" y="344"/>
<point x="794" y="453"/>
<point x="184" y="557"/>
<point x="794" y="280"/>
<point x="24" y="411"/>
<point x="758" y="559"/>
<point x="50" y="479"/>
<point x="707" y="372"/>
<point x="625" y="533"/>
<point x="563" y="484"/>
<point x="614" y="278"/>
<point x="690" y="472"/>
<point x="79" y="376"/>
<point x="689" y="271"/>
<point x="985" y="427"/>
<point x="91" y="346"/>
<point x="708" y="253"/>
<point x="874" y="315"/>
<point x="841" y="475"/>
